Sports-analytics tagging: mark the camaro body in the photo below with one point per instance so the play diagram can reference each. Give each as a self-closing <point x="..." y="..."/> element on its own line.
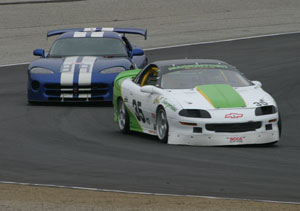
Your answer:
<point x="230" y="115"/>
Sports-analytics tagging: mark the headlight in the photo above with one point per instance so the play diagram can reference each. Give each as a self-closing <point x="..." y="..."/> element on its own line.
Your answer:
<point x="265" y="110"/>
<point x="112" y="70"/>
<point x="194" y="113"/>
<point x="38" y="70"/>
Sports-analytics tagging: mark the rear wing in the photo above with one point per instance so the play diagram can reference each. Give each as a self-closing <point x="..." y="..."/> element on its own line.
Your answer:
<point x="142" y="32"/>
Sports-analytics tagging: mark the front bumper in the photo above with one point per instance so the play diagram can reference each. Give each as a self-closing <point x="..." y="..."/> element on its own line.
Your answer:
<point x="261" y="130"/>
<point x="224" y="139"/>
<point x="50" y="89"/>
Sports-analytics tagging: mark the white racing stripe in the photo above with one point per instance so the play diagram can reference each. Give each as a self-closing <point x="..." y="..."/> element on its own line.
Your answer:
<point x="97" y="34"/>
<point x="86" y="71"/>
<point x="64" y="95"/>
<point x="84" y="96"/>
<point x="89" y="29"/>
<point x="67" y="71"/>
<point x="67" y="74"/>
<point x="107" y="29"/>
<point x="79" y="34"/>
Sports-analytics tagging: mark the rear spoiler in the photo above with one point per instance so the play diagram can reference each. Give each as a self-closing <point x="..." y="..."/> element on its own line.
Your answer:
<point x="124" y="31"/>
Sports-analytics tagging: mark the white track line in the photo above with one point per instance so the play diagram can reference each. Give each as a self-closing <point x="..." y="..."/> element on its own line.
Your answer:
<point x="226" y="40"/>
<point x="143" y="193"/>
<point x="196" y="43"/>
<point x="17" y="64"/>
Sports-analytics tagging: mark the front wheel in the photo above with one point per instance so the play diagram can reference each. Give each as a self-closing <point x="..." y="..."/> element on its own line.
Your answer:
<point x="123" y="117"/>
<point x="162" y="125"/>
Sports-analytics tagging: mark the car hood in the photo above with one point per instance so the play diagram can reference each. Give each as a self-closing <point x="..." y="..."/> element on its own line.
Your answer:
<point x="94" y="64"/>
<point x="221" y="96"/>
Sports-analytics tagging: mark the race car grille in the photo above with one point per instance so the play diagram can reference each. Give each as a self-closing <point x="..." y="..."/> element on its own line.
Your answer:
<point x="234" y="127"/>
<point x="93" y="86"/>
<point x="59" y="99"/>
<point x="95" y="90"/>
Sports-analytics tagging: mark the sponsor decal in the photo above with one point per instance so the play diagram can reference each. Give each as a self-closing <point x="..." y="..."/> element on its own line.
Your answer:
<point x="197" y="66"/>
<point x="157" y="99"/>
<point x="169" y="105"/>
<point x="261" y="102"/>
<point x="151" y="131"/>
<point x="234" y="115"/>
<point x="164" y="101"/>
<point x="235" y="139"/>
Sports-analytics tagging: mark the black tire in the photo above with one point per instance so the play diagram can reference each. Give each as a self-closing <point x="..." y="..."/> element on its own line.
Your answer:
<point x="279" y="125"/>
<point x="123" y="117"/>
<point x="162" y="125"/>
<point x="31" y="102"/>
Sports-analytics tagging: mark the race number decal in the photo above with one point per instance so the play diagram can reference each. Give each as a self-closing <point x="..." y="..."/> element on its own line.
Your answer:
<point x="84" y="68"/>
<point x="261" y="103"/>
<point x="66" y="68"/>
<point x="138" y="111"/>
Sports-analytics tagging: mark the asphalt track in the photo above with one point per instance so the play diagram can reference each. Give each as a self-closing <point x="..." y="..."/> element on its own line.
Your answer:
<point x="81" y="145"/>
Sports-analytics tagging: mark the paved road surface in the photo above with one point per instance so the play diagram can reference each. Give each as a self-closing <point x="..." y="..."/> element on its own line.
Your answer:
<point x="81" y="146"/>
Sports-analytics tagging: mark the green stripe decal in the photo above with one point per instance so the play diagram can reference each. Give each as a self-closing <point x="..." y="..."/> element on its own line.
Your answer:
<point x="221" y="96"/>
<point x="134" y="123"/>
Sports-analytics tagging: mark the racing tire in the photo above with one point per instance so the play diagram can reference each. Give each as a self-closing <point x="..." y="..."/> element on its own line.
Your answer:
<point x="123" y="117"/>
<point x="279" y="125"/>
<point x="29" y="102"/>
<point x="162" y="125"/>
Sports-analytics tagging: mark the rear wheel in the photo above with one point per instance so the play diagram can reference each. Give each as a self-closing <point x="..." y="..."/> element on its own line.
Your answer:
<point x="162" y="125"/>
<point x="123" y="117"/>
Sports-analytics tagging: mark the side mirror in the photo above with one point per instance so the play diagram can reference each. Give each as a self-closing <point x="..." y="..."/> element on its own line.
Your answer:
<point x="137" y="52"/>
<point x="151" y="90"/>
<point x="257" y="83"/>
<point x="39" y="52"/>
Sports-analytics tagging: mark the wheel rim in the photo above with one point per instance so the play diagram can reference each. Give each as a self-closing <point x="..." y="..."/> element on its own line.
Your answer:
<point x="162" y="125"/>
<point x="121" y="115"/>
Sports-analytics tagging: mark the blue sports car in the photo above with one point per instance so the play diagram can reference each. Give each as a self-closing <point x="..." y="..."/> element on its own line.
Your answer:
<point x="82" y="64"/>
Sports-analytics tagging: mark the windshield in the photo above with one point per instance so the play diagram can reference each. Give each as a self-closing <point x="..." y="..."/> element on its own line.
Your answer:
<point x="188" y="79"/>
<point x="109" y="47"/>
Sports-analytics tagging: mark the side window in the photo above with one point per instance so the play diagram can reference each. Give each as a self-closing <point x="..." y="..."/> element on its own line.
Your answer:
<point x="150" y="78"/>
<point x="147" y="76"/>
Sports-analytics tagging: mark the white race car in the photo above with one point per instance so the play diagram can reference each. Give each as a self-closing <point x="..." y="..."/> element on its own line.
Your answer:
<point x="195" y="102"/>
